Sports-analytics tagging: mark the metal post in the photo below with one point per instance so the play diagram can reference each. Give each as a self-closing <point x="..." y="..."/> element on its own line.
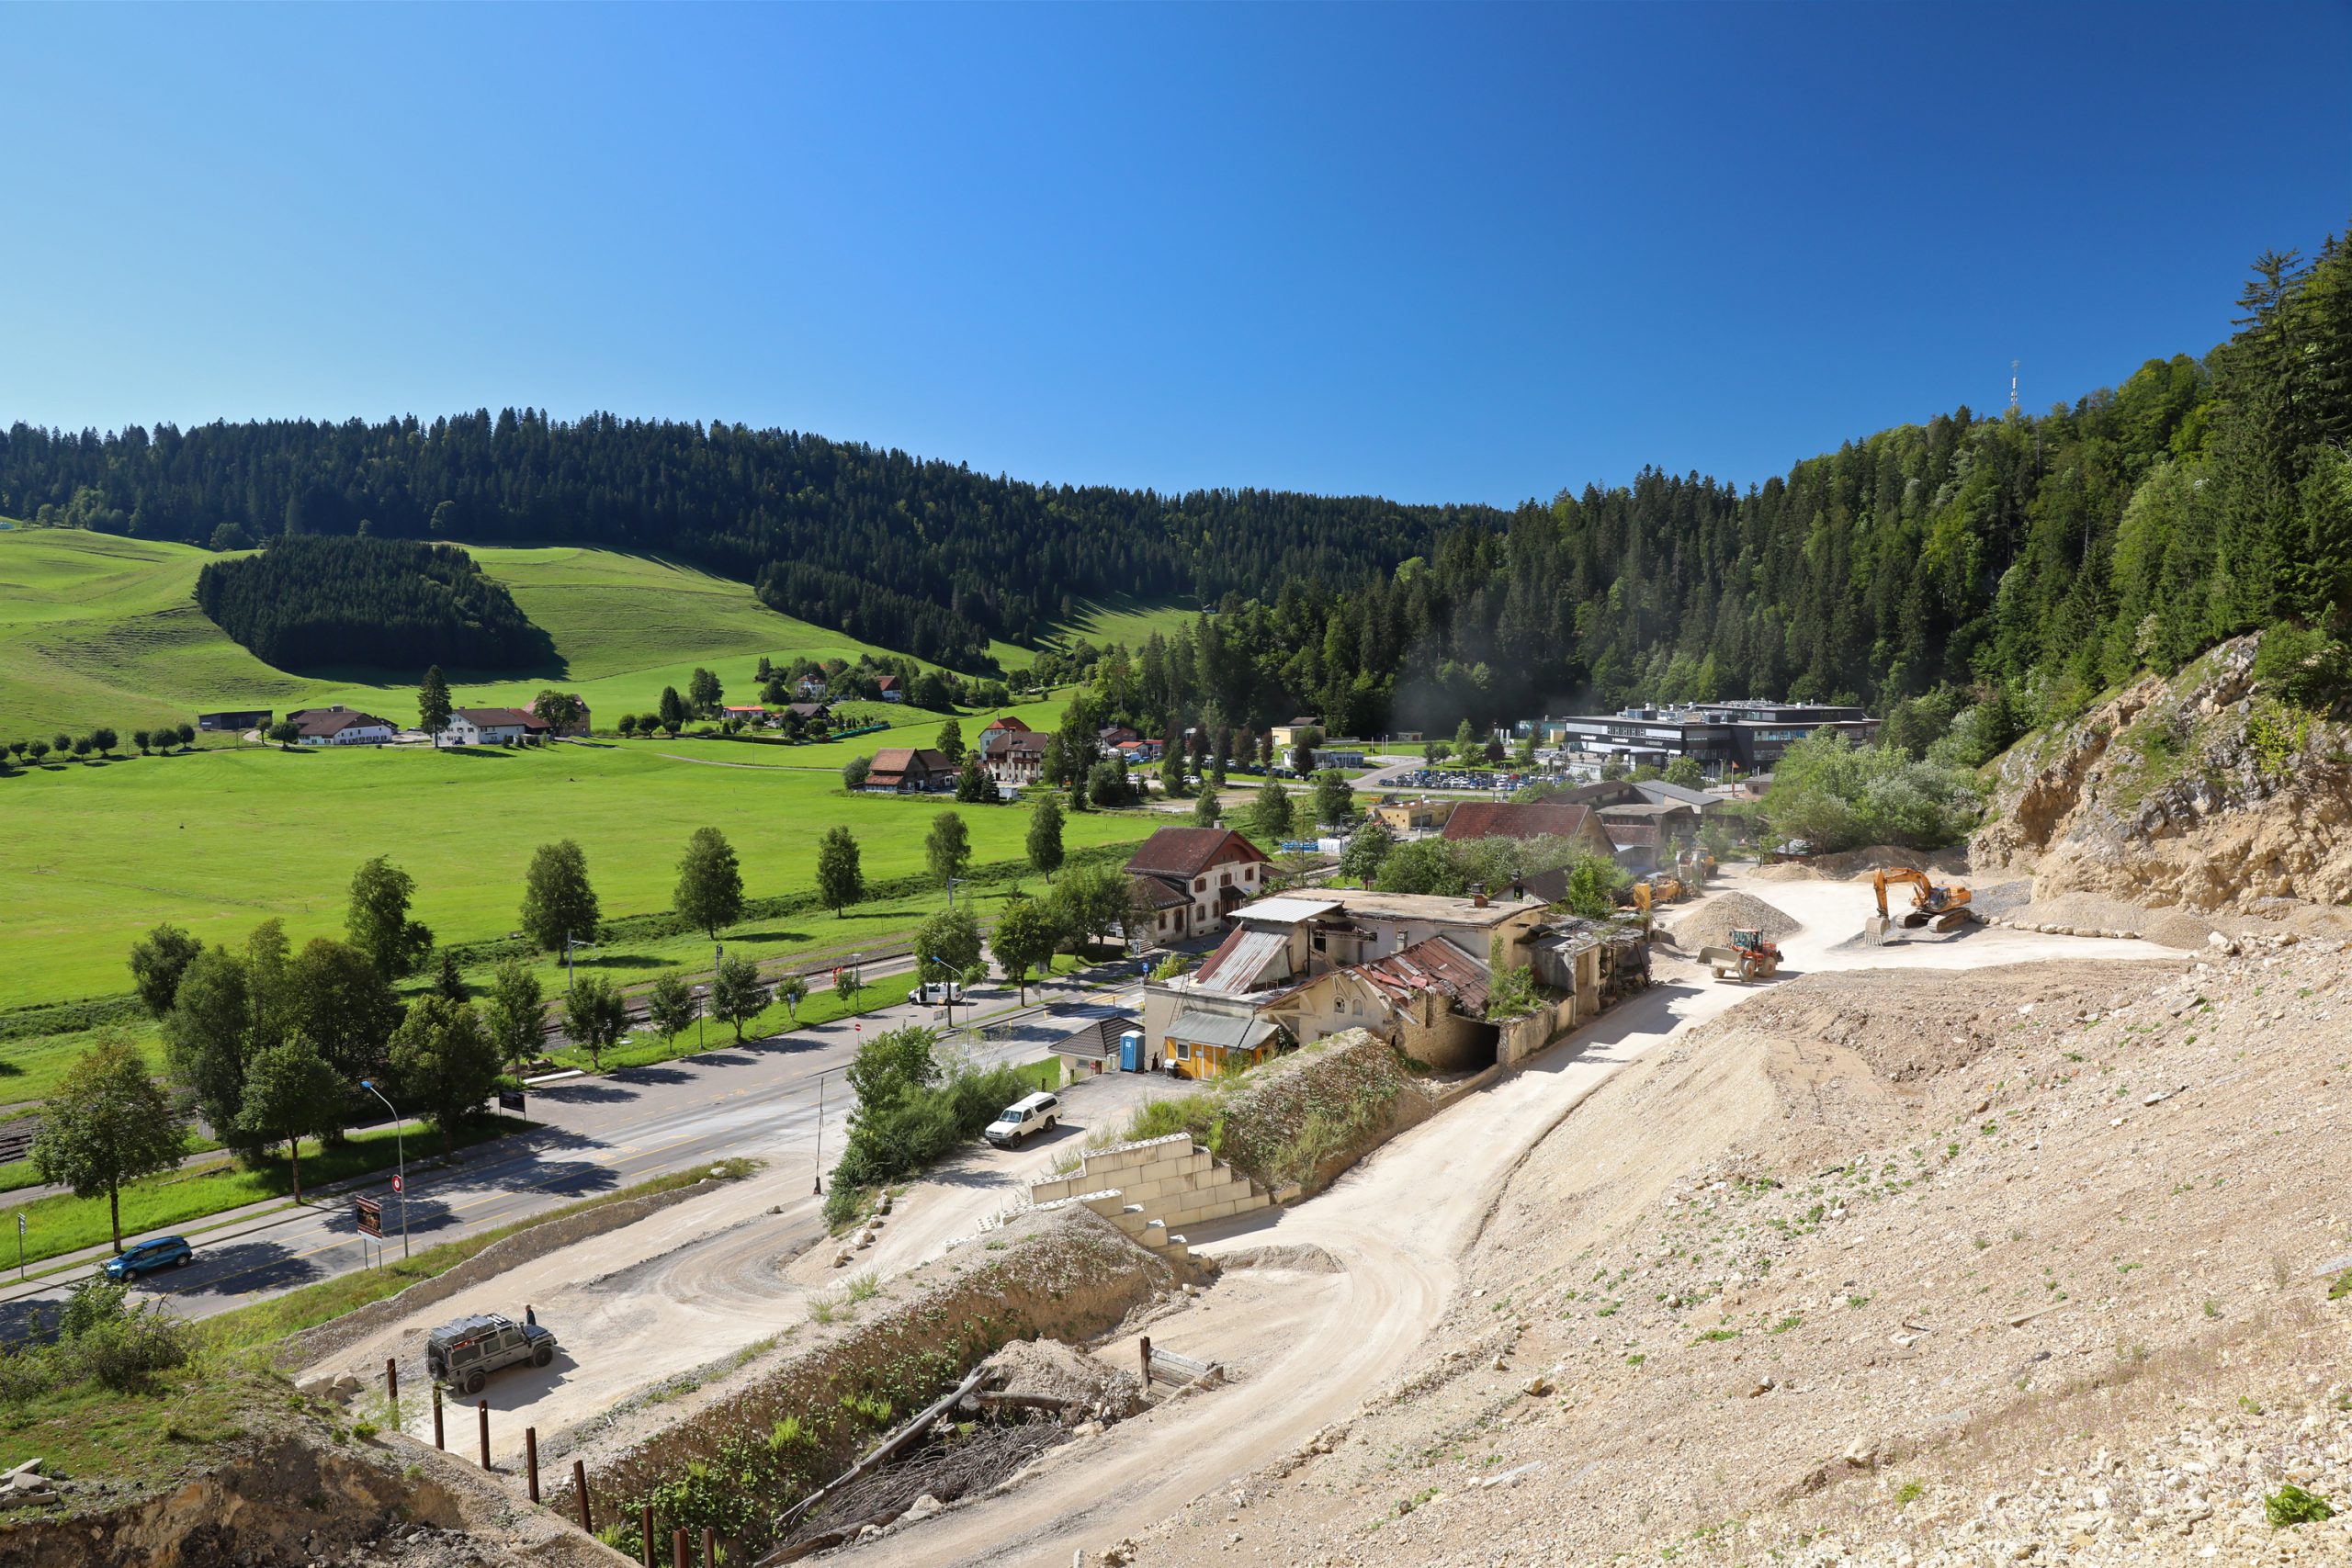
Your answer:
<point x="438" y="1439"/>
<point x="819" y="1188"/>
<point x="399" y="1149"/>
<point x="579" y="1491"/>
<point x="391" y="1380"/>
<point x="481" y="1408"/>
<point x="1144" y="1345"/>
<point x="644" y="1531"/>
<point x="710" y="1547"/>
<point x="531" y="1459"/>
<point x="678" y="1550"/>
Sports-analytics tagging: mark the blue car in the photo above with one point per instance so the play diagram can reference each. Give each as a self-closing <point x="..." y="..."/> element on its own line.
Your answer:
<point x="146" y="1257"/>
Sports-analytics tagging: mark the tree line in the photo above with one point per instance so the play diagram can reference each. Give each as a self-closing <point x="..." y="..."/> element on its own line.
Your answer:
<point x="916" y="554"/>
<point x="308" y="601"/>
<point x="95" y="744"/>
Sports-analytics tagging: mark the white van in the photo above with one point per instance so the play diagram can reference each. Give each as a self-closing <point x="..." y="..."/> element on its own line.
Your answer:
<point x="1037" y="1113"/>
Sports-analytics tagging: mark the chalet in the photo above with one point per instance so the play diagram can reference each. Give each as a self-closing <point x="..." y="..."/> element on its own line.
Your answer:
<point x="233" y="720"/>
<point x="811" y="687"/>
<point x="1535" y="819"/>
<point x="811" y="713"/>
<point x="888" y="689"/>
<point x="492" y="727"/>
<point x="910" y="770"/>
<point x="339" y="726"/>
<point x="1194" y="877"/>
<point x="1114" y="736"/>
<point x="753" y="716"/>
<point x="1137" y="752"/>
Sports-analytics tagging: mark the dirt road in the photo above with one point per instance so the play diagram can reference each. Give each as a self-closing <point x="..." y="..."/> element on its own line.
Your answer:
<point x="1312" y="1346"/>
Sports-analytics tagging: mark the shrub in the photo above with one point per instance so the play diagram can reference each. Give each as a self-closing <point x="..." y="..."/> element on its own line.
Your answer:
<point x="2290" y="1505"/>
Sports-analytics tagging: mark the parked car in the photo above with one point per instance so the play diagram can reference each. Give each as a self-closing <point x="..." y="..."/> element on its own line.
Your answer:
<point x="146" y="1257"/>
<point x="1037" y="1114"/>
<point x="464" y="1353"/>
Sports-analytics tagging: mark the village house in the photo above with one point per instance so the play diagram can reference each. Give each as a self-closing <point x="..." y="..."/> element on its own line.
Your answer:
<point x="339" y="726"/>
<point x="749" y="715"/>
<point x="811" y="713"/>
<point x="492" y="726"/>
<point x="1194" y="877"/>
<point x="1536" y="819"/>
<point x="1633" y="845"/>
<point x="905" y="769"/>
<point x="1114" y="736"/>
<point x="1286" y="736"/>
<point x="888" y="688"/>
<point x="1402" y="817"/>
<point x="1012" y="753"/>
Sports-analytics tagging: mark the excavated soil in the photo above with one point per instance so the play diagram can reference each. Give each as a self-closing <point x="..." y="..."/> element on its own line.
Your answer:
<point x="1712" y="923"/>
<point x="2024" y="1264"/>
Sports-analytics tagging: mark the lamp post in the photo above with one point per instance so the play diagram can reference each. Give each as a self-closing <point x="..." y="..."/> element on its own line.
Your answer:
<point x="400" y="1148"/>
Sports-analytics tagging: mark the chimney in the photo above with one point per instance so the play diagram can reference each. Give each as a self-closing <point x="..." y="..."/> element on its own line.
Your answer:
<point x="1518" y="889"/>
<point x="1477" y="895"/>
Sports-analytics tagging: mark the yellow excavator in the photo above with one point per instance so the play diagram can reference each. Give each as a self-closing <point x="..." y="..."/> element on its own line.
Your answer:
<point x="1945" y="904"/>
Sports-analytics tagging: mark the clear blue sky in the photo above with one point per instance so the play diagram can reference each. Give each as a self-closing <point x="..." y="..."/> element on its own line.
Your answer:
<point x="1445" y="253"/>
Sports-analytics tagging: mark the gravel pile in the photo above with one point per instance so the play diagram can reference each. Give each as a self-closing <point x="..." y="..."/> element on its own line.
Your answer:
<point x="1048" y="1369"/>
<point x="2087" y="914"/>
<point x="1712" y="923"/>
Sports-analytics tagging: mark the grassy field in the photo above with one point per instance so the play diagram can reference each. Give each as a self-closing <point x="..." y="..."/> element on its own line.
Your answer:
<point x="96" y="629"/>
<point x="218" y="840"/>
<point x="1131" y="622"/>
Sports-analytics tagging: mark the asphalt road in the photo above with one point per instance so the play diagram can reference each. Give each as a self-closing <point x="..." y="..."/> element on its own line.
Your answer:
<point x="598" y="1135"/>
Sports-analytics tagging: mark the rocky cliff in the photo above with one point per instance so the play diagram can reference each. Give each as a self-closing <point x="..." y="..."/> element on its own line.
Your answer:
<point x="2195" y="791"/>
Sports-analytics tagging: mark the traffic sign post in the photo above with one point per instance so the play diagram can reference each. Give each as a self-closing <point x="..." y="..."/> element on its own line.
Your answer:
<point x="20" y="1244"/>
<point x="370" y="1215"/>
<point x="399" y="1184"/>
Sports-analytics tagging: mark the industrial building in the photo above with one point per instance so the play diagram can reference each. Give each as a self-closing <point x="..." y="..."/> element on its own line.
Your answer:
<point x="1748" y="735"/>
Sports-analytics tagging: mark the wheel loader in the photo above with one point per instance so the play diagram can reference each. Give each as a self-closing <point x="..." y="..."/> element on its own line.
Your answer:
<point x="1749" y="957"/>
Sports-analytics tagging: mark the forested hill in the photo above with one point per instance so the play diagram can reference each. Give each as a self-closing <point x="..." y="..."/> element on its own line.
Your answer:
<point x="922" y="556"/>
<point x="2014" y="564"/>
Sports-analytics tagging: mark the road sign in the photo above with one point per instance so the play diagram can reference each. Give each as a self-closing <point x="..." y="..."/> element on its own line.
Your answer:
<point x="370" y="1215"/>
<point x="399" y="1185"/>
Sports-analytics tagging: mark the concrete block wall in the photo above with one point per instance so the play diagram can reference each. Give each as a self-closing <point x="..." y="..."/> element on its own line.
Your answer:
<point x="1149" y="1188"/>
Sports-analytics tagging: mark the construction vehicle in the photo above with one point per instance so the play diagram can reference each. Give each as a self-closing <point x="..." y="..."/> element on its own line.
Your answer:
<point x="1695" y="866"/>
<point x="1945" y="904"/>
<point x="1749" y="957"/>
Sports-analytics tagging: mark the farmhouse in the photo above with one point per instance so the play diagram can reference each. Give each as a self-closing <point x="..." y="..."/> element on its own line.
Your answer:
<point x="1536" y="819"/>
<point x="1194" y="877"/>
<point x="811" y="713"/>
<point x="888" y="688"/>
<point x="811" y="687"/>
<point x="492" y="726"/>
<point x="339" y="726"/>
<point x="910" y="770"/>
<point x="234" y="719"/>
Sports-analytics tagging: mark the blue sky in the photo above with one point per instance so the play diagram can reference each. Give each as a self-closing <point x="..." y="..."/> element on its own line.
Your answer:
<point x="1444" y="254"/>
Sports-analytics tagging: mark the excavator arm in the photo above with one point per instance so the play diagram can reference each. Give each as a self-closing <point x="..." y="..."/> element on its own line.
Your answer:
<point x="1897" y="876"/>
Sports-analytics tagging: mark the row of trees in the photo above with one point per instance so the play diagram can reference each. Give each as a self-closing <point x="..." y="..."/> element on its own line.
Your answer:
<point x="99" y="743"/>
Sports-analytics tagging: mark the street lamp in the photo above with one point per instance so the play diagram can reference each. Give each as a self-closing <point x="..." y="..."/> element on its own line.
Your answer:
<point x="400" y="1147"/>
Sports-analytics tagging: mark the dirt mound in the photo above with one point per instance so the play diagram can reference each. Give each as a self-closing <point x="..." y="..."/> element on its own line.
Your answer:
<point x="1787" y="871"/>
<point x="1855" y="866"/>
<point x="1712" y="923"/>
<point x="1047" y="1368"/>
<point x="1317" y="1112"/>
<point x="2026" y="1263"/>
<point x="2087" y="914"/>
<point x="2197" y="792"/>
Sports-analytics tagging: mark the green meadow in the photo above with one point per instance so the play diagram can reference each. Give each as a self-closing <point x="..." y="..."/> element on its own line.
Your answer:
<point x="217" y="840"/>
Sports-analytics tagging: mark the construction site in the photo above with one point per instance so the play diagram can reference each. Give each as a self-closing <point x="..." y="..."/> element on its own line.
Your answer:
<point x="1913" y="1210"/>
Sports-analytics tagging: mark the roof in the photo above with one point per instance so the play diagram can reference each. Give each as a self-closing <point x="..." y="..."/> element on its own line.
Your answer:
<point x="1241" y="960"/>
<point x="752" y="708"/>
<point x="334" y="721"/>
<point x="1296" y="723"/>
<point x="1235" y="1031"/>
<point x="1435" y="908"/>
<point x="910" y="759"/>
<point x="1289" y="911"/>
<point x="1682" y="794"/>
<point x="887" y="683"/>
<point x="810" y="710"/>
<point x="1632" y="835"/>
<point x="1511" y="820"/>
<point x="1644" y="811"/>
<point x="1188" y="852"/>
<point x="1551" y="887"/>
<point x="490" y="719"/>
<point x="1163" y="892"/>
<point x="1436" y="964"/>
<point x="1005" y="721"/>
<point x="1098" y="1036"/>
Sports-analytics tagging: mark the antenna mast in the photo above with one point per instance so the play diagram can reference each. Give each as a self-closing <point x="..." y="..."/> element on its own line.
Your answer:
<point x="2013" y="385"/>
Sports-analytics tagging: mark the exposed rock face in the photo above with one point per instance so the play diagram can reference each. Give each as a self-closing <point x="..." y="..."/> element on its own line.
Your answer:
<point x="2193" y="792"/>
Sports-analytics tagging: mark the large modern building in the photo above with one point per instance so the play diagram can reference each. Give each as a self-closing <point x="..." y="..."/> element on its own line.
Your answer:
<point x="1749" y="736"/>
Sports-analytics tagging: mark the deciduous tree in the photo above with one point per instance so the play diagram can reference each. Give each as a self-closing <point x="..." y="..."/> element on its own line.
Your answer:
<point x="947" y="849"/>
<point x="1023" y="939"/>
<point x="670" y="1007"/>
<point x="107" y="1123"/>
<point x="558" y="901"/>
<point x="737" y="995"/>
<point x="840" y="876"/>
<point x="376" y="920"/>
<point x="515" y="1013"/>
<point x="444" y="1064"/>
<point x="157" y="962"/>
<point x="291" y="1094"/>
<point x="595" y="1015"/>
<point x="710" y="884"/>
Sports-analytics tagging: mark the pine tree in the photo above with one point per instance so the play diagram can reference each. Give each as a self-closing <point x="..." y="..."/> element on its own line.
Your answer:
<point x="432" y="704"/>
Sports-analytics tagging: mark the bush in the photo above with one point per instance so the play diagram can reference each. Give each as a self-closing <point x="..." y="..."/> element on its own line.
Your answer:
<point x="102" y="1338"/>
<point x="1198" y="1114"/>
<point x="2302" y="666"/>
<point x="1834" y="795"/>
<point x="2290" y="1504"/>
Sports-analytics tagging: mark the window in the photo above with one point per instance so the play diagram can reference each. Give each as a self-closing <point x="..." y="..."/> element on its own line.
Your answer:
<point x="1183" y="1050"/>
<point x="1200" y="885"/>
<point x="1225" y="880"/>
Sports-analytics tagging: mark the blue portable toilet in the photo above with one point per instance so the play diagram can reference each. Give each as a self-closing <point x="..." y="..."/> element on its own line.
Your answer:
<point x="1130" y="1051"/>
